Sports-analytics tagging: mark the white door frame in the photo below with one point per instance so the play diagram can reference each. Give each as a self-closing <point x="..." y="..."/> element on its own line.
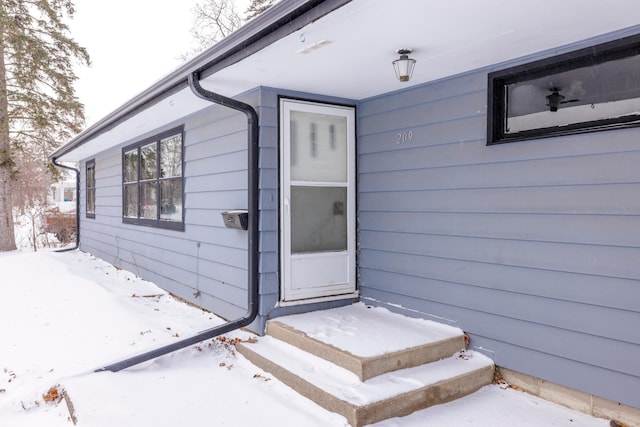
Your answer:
<point x="318" y="276"/>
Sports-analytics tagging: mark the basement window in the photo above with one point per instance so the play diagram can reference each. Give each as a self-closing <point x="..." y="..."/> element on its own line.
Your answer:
<point x="592" y="89"/>
<point x="153" y="181"/>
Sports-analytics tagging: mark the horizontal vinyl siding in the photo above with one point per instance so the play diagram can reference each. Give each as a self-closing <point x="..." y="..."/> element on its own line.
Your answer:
<point x="531" y="247"/>
<point x="268" y="205"/>
<point x="215" y="181"/>
<point x="207" y="256"/>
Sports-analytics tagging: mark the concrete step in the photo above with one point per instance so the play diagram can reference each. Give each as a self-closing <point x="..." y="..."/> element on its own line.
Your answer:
<point x="369" y="364"/>
<point x="368" y="341"/>
<point x="388" y="395"/>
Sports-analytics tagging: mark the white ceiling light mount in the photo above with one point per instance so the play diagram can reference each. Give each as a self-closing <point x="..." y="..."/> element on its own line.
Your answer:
<point x="313" y="46"/>
<point x="404" y="65"/>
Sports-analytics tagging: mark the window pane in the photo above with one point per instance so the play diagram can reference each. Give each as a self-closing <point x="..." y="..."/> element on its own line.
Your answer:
<point x="153" y="181"/>
<point x="149" y="161"/>
<point x="90" y="204"/>
<point x="149" y="200"/>
<point x="171" y="157"/>
<point x="318" y="148"/>
<point x="171" y="200"/>
<point x="131" y="200"/>
<point x="68" y="194"/>
<point x="591" y="89"/>
<point x="598" y="92"/>
<point x="131" y="166"/>
<point x="91" y="176"/>
<point x="91" y="201"/>
<point x="318" y="219"/>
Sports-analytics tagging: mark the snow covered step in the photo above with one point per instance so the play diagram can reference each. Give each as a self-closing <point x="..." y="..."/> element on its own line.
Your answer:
<point x="368" y="341"/>
<point x="389" y="395"/>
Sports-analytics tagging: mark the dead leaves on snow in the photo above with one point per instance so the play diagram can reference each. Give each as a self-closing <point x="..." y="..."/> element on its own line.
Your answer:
<point x="229" y="345"/>
<point x="148" y="296"/>
<point x="463" y="355"/>
<point x="262" y="377"/>
<point x="225" y="365"/>
<point x="10" y="376"/>
<point x="223" y="342"/>
<point x="497" y="379"/>
<point x="53" y="395"/>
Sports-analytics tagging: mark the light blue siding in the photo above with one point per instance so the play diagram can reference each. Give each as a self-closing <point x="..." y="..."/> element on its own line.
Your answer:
<point x="207" y="256"/>
<point x="531" y="247"/>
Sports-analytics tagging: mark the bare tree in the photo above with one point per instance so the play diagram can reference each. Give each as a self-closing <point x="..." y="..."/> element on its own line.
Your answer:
<point x="257" y="7"/>
<point x="216" y="19"/>
<point x="213" y="21"/>
<point x="29" y="190"/>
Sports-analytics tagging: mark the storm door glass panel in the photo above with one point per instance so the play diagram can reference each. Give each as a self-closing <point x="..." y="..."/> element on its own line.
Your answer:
<point x="318" y="147"/>
<point x="318" y="219"/>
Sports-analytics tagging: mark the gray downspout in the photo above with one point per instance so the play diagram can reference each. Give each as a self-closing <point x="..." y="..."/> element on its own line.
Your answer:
<point x="55" y="162"/>
<point x="253" y="292"/>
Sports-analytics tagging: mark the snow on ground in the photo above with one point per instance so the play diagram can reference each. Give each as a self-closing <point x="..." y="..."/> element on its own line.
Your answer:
<point x="65" y="314"/>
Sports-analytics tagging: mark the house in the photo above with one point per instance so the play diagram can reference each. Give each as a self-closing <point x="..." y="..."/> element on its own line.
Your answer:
<point x="495" y="189"/>
<point x="61" y="195"/>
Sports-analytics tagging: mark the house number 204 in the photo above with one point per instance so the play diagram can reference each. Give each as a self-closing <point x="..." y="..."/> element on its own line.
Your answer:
<point x="404" y="137"/>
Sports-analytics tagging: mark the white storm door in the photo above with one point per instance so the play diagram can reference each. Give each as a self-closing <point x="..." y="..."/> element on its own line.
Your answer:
<point x="317" y="203"/>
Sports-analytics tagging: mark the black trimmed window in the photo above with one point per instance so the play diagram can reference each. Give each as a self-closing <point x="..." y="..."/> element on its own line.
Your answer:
<point x="153" y="181"/>
<point x="91" y="189"/>
<point x="592" y="89"/>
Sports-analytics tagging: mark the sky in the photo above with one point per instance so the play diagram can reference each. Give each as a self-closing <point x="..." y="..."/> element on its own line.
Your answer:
<point x="132" y="44"/>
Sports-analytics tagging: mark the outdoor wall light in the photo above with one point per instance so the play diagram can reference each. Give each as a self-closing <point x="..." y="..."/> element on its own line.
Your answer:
<point x="404" y="65"/>
<point x="555" y="99"/>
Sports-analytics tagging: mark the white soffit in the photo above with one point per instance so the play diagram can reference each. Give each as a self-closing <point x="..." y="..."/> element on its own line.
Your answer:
<point x="348" y="53"/>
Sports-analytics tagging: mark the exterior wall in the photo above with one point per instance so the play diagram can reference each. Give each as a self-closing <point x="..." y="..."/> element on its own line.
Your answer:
<point x="269" y="206"/>
<point x="530" y="247"/>
<point x="207" y="256"/>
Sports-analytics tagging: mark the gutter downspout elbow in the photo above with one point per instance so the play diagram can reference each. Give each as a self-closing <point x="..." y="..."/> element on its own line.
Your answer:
<point x="253" y="290"/>
<point x="54" y="160"/>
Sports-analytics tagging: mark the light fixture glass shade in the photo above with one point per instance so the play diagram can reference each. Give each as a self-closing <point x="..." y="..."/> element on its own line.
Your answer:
<point x="404" y="65"/>
<point x="555" y="99"/>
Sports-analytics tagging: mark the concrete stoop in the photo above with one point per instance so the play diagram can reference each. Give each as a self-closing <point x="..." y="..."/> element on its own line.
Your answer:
<point x="380" y="384"/>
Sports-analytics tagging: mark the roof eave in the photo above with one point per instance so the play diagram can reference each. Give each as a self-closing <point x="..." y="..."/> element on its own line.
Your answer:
<point x="281" y="19"/>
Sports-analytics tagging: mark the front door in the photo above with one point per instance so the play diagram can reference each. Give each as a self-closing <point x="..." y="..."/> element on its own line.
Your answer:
<point x="317" y="203"/>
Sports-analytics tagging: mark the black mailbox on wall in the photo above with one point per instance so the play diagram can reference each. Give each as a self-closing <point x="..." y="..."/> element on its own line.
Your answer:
<point x="236" y="219"/>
